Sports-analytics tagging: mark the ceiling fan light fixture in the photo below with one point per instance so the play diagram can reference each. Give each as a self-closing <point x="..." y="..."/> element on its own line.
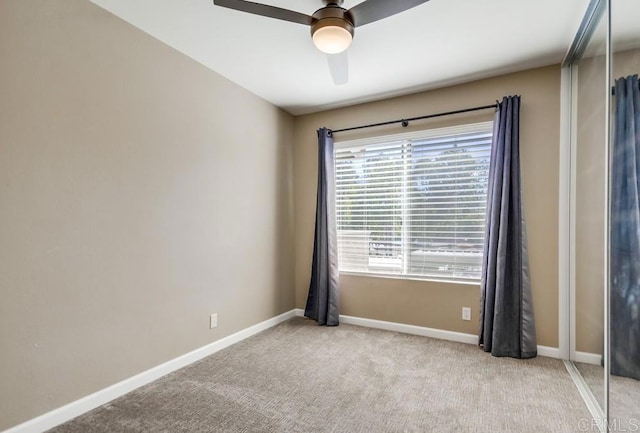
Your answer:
<point x="331" y="38"/>
<point x="332" y="31"/>
<point x="331" y="26"/>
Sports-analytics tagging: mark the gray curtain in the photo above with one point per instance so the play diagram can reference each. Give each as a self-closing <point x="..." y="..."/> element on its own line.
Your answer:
<point x="322" y="301"/>
<point x="625" y="231"/>
<point x="507" y="326"/>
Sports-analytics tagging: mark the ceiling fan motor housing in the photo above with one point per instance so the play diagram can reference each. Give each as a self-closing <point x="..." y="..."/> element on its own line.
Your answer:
<point x="332" y="15"/>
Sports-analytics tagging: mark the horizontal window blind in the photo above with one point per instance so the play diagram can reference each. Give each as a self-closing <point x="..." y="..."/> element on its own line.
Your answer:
<point x="414" y="204"/>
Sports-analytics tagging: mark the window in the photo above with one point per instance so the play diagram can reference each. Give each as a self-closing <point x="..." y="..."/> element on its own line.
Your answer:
<point x="414" y="204"/>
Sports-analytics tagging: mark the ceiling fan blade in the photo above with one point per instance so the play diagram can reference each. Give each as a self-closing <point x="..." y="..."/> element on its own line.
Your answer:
<point x="265" y="11"/>
<point x="373" y="10"/>
<point x="339" y="67"/>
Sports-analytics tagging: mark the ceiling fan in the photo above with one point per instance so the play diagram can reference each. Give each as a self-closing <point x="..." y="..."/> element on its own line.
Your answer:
<point x="332" y="26"/>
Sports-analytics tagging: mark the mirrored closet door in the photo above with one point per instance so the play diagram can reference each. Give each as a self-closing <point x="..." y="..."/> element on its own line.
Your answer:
<point x="624" y="290"/>
<point x="589" y="184"/>
<point x="605" y="212"/>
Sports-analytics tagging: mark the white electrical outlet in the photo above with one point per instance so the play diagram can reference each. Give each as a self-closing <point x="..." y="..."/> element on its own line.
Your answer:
<point x="466" y="313"/>
<point x="213" y="321"/>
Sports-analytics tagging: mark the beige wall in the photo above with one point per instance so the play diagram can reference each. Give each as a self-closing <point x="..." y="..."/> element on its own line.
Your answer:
<point x="139" y="192"/>
<point x="432" y="304"/>
<point x="590" y="189"/>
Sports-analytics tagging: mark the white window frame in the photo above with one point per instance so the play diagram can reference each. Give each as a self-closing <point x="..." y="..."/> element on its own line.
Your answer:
<point x="406" y="136"/>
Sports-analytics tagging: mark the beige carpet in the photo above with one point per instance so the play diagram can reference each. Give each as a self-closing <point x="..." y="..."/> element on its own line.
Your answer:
<point x="298" y="377"/>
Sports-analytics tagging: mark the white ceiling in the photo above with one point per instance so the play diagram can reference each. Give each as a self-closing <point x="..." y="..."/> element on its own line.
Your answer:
<point x="438" y="43"/>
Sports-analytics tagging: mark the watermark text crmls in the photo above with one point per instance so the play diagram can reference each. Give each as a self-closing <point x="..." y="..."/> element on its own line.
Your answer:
<point x="612" y="425"/>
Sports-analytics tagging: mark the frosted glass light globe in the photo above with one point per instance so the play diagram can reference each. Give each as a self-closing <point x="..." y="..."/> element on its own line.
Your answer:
<point x="332" y="39"/>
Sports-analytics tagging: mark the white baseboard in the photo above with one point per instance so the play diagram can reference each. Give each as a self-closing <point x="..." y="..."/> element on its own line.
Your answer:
<point x="549" y="352"/>
<point x="85" y="404"/>
<point x="406" y="329"/>
<point x="441" y="334"/>
<point x="588" y="358"/>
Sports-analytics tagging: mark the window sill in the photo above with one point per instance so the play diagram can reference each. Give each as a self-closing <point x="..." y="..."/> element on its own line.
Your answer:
<point x="412" y="277"/>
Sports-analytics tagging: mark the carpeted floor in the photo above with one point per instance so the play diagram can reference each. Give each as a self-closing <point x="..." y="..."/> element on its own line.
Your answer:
<point x="299" y="377"/>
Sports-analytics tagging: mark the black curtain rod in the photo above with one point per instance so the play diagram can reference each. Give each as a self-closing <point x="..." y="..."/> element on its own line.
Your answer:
<point x="405" y="122"/>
